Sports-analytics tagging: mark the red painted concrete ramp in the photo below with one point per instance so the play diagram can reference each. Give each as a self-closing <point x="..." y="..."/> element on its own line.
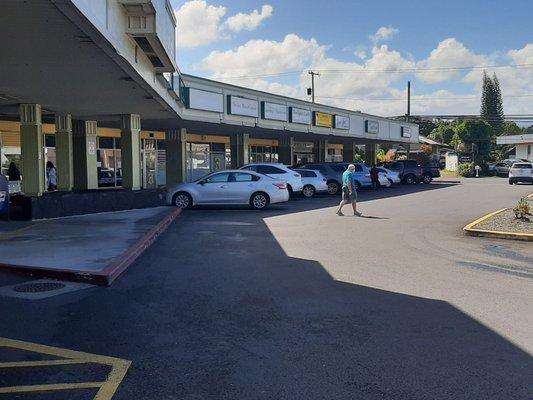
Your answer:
<point x="93" y="248"/>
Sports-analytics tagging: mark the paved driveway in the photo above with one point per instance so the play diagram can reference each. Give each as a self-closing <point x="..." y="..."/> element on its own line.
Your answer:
<point x="297" y="303"/>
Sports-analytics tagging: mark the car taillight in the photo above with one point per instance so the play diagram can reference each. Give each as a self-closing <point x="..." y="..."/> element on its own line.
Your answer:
<point x="367" y="176"/>
<point x="281" y="185"/>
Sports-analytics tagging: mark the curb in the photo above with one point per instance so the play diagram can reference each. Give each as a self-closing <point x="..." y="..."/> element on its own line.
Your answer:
<point x="471" y="231"/>
<point x="113" y="270"/>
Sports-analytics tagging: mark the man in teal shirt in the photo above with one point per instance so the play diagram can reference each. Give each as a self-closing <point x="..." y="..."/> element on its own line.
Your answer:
<point x="349" y="192"/>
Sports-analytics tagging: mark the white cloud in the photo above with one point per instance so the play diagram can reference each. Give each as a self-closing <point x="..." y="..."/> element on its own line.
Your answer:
<point x="199" y="24"/>
<point x="249" y="22"/>
<point x="258" y="57"/>
<point x="448" y="54"/>
<point x="360" y="84"/>
<point x="384" y="33"/>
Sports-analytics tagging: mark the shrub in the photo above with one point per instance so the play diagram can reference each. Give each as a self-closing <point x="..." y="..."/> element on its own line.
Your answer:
<point x="522" y="209"/>
<point x="465" y="169"/>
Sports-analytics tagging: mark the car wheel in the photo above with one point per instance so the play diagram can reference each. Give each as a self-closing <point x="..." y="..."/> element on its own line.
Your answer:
<point x="511" y="182"/>
<point x="333" y="188"/>
<point x="308" y="191"/>
<point x="182" y="200"/>
<point x="259" y="201"/>
<point x="391" y="183"/>
<point x="289" y="189"/>
<point x="427" y="179"/>
<point x="410" y="179"/>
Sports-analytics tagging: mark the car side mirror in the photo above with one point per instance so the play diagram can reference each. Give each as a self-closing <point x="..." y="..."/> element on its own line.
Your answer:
<point x="201" y="183"/>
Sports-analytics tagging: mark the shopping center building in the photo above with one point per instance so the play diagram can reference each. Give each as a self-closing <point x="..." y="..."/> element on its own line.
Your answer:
<point x="93" y="86"/>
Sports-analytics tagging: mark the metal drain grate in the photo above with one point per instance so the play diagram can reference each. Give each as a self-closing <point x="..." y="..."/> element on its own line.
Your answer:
<point x="38" y="287"/>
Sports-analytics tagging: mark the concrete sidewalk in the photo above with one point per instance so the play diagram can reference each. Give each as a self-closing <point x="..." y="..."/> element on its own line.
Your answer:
<point x="91" y="248"/>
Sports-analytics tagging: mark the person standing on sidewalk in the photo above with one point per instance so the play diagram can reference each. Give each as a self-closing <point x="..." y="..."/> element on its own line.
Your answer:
<point x="349" y="192"/>
<point x="51" y="176"/>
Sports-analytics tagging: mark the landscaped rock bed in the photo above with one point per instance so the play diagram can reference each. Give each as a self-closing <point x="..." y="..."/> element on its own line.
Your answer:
<point x="506" y="222"/>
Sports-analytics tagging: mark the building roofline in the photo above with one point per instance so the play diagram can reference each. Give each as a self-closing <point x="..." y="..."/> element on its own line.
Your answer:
<point x="308" y="103"/>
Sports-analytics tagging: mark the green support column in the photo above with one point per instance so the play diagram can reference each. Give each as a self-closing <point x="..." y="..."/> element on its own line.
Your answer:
<point x="348" y="151"/>
<point x="31" y="143"/>
<point x="286" y="150"/>
<point x="370" y="154"/>
<point x="321" y="150"/>
<point x="240" y="145"/>
<point x="130" y="139"/>
<point x="64" y="152"/>
<point x="84" y="155"/>
<point x="176" y="153"/>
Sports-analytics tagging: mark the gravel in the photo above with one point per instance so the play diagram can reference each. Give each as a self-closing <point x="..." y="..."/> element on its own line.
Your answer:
<point x="506" y="222"/>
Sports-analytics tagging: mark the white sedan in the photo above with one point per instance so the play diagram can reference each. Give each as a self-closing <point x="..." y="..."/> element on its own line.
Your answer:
<point x="313" y="181"/>
<point x="227" y="188"/>
<point x="392" y="176"/>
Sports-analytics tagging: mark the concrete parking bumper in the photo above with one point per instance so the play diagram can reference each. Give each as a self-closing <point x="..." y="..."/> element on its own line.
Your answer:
<point x="90" y="248"/>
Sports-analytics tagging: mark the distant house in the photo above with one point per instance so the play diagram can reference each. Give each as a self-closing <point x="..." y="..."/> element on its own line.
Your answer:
<point x="523" y="145"/>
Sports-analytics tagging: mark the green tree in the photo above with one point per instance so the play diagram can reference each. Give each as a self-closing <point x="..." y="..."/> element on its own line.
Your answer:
<point x="478" y="134"/>
<point x="443" y="133"/>
<point x="511" y="128"/>
<point x="491" y="102"/>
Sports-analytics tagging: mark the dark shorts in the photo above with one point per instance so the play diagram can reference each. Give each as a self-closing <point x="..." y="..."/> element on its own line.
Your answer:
<point x="346" y="195"/>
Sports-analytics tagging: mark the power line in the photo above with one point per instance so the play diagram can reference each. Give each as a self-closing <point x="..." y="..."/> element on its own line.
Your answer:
<point x="418" y="98"/>
<point x="390" y="70"/>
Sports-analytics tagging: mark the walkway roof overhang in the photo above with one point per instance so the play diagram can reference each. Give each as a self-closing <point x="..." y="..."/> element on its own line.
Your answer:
<point x="55" y="57"/>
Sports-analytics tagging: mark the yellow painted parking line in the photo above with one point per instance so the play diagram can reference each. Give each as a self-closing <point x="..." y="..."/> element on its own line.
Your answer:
<point x="50" y="388"/>
<point x="107" y="388"/>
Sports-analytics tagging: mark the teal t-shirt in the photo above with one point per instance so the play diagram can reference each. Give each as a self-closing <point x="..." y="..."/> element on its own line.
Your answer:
<point x="346" y="177"/>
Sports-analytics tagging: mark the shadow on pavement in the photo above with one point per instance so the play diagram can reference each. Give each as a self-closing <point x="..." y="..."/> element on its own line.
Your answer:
<point x="216" y="309"/>
<point x="301" y="204"/>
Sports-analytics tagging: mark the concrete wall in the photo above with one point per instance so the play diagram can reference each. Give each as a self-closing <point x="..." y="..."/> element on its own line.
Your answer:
<point x="110" y="19"/>
<point x="524" y="151"/>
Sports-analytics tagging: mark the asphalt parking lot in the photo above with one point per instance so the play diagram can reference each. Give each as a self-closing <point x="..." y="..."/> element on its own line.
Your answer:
<point x="298" y="303"/>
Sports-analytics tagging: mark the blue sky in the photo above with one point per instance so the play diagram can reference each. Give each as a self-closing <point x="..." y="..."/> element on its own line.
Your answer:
<point x="224" y="40"/>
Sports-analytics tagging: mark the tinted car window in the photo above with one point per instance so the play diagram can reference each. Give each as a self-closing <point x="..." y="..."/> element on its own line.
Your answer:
<point x="338" y="168"/>
<point x="394" y="166"/>
<point x="411" y="164"/>
<point x="306" y="174"/>
<point x="358" y="168"/>
<point x="218" y="178"/>
<point x="243" y="177"/>
<point x="523" y="166"/>
<point x="250" y="168"/>
<point x="269" y="169"/>
<point x="318" y="167"/>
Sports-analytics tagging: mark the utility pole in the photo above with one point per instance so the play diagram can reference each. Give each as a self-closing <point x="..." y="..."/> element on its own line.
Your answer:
<point x="312" y="90"/>
<point x="408" y="101"/>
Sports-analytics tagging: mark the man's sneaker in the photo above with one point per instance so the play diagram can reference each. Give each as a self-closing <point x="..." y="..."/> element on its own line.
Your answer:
<point x="340" y="214"/>
<point x="357" y="214"/>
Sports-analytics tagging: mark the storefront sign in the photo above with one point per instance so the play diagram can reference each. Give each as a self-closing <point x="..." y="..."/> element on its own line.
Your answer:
<point x="299" y="116"/>
<point x="273" y="111"/>
<point x="203" y="100"/>
<point x="243" y="106"/>
<point x="406" y="132"/>
<point x="371" y="126"/>
<point x="342" y="122"/>
<point x="323" y="120"/>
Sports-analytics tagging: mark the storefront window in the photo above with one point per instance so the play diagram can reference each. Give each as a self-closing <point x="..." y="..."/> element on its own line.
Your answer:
<point x="204" y="158"/>
<point x="109" y="162"/>
<point x="334" y="155"/>
<point x="264" y="154"/>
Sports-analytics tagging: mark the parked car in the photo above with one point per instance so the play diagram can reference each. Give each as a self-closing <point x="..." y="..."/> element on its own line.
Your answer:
<point x="333" y="173"/>
<point x="502" y="168"/>
<point x="521" y="172"/>
<point x="227" y="188"/>
<point x="430" y="172"/>
<point x="392" y="176"/>
<point x="409" y="171"/>
<point x="313" y="181"/>
<point x="383" y="180"/>
<point x="278" y="171"/>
